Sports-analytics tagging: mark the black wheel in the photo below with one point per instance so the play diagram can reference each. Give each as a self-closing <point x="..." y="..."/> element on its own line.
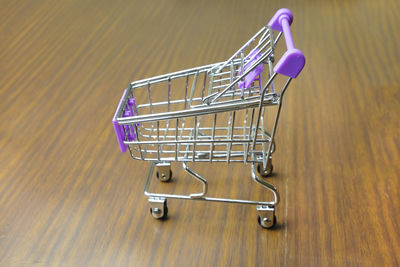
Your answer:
<point x="268" y="172"/>
<point x="267" y="224"/>
<point x="155" y="214"/>
<point x="164" y="178"/>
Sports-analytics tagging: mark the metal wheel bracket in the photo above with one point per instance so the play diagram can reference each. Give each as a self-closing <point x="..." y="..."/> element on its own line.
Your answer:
<point x="157" y="205"/>
<point x="266" y="215"/>
<point x="164" y="171"/>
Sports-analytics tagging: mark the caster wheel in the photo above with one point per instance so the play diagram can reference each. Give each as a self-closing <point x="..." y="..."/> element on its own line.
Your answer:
<point x="266" y="223"/>
<point x="267" y="172"/>
<point x="164" y="177"/>
<point x="158" y="213"/>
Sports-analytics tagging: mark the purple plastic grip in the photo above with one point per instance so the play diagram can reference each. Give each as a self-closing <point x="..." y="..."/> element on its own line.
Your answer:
<point x="293" y="60"/>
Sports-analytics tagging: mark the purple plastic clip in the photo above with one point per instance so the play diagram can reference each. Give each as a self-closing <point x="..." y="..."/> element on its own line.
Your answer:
<point x="129" y="128"/>
<point x="121" y="129"/>
<point x="293" y="60"/>
<point x="252" y="75"/>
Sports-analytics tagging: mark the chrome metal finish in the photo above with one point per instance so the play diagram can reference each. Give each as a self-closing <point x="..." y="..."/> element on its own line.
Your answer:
<point x="266" y="216"/>
<point x="267" y="185"/>
<point x="201" y="196"/>
<point x="199" y="178"/>
<point x="157" y="207"/>
<point x="164" y="171"/>
<point x="204" y="115"/>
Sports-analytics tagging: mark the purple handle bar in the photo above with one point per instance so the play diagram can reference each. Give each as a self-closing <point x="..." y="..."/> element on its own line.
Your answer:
<point x="290" y="64"/>
<point x="293" y="60"/>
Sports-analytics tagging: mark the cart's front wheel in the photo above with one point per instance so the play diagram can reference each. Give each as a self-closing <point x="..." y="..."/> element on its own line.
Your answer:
<point x="158" y="213"/>
<point x="266" y="223"/>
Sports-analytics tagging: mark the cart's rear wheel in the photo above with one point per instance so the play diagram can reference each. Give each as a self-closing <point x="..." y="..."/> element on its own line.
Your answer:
<point x="164" y="177"/>
<point x="268" y="171"/>
<point x="158" y="213"/>
<point x="266" y="223"/>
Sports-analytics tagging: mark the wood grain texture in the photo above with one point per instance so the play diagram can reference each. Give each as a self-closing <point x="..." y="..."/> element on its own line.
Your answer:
<point x="68" y="197"/>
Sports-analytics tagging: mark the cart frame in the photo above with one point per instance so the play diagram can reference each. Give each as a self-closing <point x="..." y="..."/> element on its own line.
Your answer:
<point x="188" y="129"/>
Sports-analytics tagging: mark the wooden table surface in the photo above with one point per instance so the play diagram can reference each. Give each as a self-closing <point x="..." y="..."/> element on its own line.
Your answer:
<point x="68" y="197"/>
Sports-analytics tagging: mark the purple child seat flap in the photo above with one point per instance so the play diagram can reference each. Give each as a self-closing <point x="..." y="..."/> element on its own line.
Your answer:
<point x="252" y="75"/>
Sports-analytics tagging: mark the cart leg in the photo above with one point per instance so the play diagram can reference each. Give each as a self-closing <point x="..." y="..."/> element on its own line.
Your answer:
<point x="266" y="216"/>
<point x="266" y="185"/>
<point x="198" y="178"/>
<point x="163" y="172"/>
<point x="158" y="207"/>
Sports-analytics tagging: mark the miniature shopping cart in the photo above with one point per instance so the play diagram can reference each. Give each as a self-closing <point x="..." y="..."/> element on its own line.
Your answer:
<point x="224" y="112"/>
